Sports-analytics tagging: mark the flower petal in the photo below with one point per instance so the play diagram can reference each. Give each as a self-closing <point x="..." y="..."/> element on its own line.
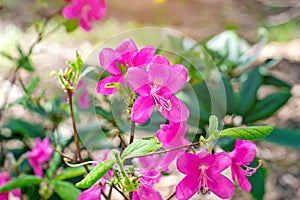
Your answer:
<point x="174" y="82"/>
<point x="101" y="87"/>
<point x="93" y="193"/>
<point x="108" y="59"/>
<point x="244" y="152"/>
<point x="146" y="193"/>
<point x="241" y="178"/>
<point x="160" y="60"/>
<point x="188" y="163"/>
<point x="126" y="51"/>
<point x="220" y="186"/>
<point x="142" y="109"/>
<point x="187" y="187"/>
<point x="218" y="163"/>
<point x="180" y="69"/>
<point x="144" y="56"/>
<point x="172" y="135"/>
<point x="178" y="113"/>
<point x="159" y="74"/>
<point x="138" y="81"/>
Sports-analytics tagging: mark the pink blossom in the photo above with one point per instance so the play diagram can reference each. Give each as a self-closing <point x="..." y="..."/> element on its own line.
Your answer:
<point x="118" y="61"/>
<point x="86" y="11"/>
<point x="5" y="178"/>
<point x="156" y="87"/>
<point x="41" y="153"/>
<point x="203" y="172"/>
<point x="172" y="135"/>
<point x="244" y="153"/>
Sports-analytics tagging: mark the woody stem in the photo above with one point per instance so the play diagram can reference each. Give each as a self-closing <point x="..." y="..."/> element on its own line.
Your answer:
<point x="76" y="137"/>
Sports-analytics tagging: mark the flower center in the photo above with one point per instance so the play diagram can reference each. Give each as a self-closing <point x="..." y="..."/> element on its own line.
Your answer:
<point x="248" y="171"/>
<point x="203" y="178"/>
<point x="160" y="101"/>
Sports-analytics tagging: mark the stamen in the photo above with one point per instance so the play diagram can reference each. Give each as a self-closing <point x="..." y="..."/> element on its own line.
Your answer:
<point x="161" y="102"/>
<point x="249" y="171"/>
<point x="203" y="179"/>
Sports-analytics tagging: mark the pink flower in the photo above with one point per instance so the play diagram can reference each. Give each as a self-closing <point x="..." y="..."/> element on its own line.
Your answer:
<point x="172" y="136"/>
<point x="4" y="178"/>
<point x="41" y="153"/>
<point x="86" y="11"/>
<point x="157" y="86"/>
<point x="244" y="153"/>
<point x="118" y="61"/>
<point x="203" y="173"/>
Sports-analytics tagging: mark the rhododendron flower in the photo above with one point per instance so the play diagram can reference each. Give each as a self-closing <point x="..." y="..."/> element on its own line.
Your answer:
<point x="172" y="136"/>
<point x="244" y="153"/>
<point x="157" y="86"/>
<point x="203" y="173"/>
<point x="86" y="11"/>
<point x="41" y="153"/>
<point x="4" y="178"/>
<point x="118" y="61"/>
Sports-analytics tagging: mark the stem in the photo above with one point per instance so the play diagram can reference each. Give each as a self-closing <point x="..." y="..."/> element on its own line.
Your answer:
<point x="171" y="196"/>
<point x="76" y="137"/>
<point x="165" y="151"/>
<point x="124" y="145"/>
<point x="132" y="132"/>
<point x="110" y="192"/>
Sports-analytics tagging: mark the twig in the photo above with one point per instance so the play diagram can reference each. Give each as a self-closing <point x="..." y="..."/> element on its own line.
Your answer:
<point x="63" y="155"/>
<point x="109" y="193"/>
<point x="171" y="196"/>
<point x="124" y="145"/>
<point x="76" y="137"/>
<point x="164" y="151"/>
<point x="132" y="125"/>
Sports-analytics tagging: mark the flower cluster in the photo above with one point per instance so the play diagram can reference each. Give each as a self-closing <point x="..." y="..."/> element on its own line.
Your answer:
<point x="40" y="154"/>
<point x="155" y="81"/>
<point x="203" y="171"/>
<point x="151" y="77"/>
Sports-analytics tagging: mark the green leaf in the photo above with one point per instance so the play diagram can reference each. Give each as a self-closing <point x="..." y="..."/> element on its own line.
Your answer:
<point x="257" y="181"/>
<point x="247" y="133"/>
<point x="66" y="190"/>
<point x="272" y="80"/>
<point x="71" y="25"/>
<point x="267" y="107"/>
<point x="286" y="137"/>
<point x="96" y="173"/>
<point x="105" y="114"/>
<point x="230" y="98"/>
<point x="26" y="129"/>
<point x="204" y="100"/>
<point x="32" y="85"/>
<point x="141" y="147"/>
<point x="70" y="173"/>
<point x="21" y="182"/>
<point x="247" y="95"/>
